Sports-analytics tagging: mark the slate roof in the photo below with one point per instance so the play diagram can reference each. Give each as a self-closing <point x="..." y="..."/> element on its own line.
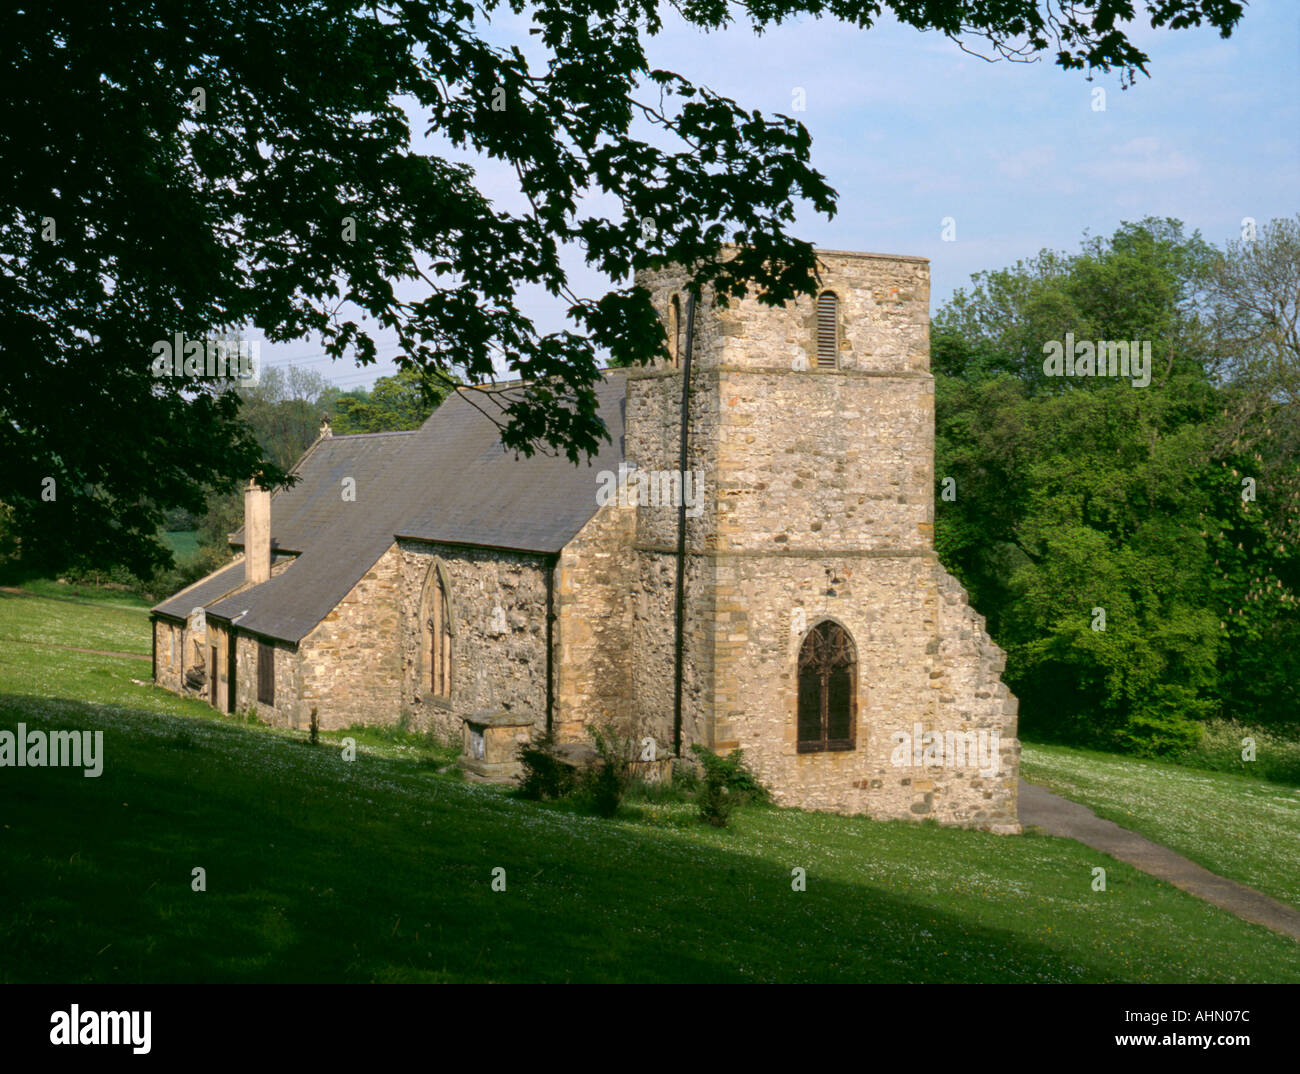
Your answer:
<point x="450" y="481"/>
<point x="483" y="495"/>
<point x="204" y="592"/>
<point x="301" y="515"/>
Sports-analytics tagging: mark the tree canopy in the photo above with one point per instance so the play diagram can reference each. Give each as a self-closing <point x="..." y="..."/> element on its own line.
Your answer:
<point x="402" y="401"/>
<point x="1135" y="549"/>
<point x="189" y="170"/>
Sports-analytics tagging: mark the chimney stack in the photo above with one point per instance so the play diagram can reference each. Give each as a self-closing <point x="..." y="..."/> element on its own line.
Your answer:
<point x="257" y="534"/>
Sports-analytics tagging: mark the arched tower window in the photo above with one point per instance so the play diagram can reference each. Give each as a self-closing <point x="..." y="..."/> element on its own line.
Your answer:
<point x="828" y="330"/>
<point x="437" y="631"/>
<point x="675" y="330"/>
<point x="828" y="689"/>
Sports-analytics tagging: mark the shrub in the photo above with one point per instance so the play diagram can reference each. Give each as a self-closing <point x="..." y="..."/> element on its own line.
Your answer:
<point x="602" y="788"/>
<point x="730" y="772"/>
<point x="597" y="787"/>
<point x="716" y="803"/>
<point x="1277" y="751"/>
<point x="685" y="777"/>
<point x="604" y="783"/>
<point x="545" y="775"/>
<point x="727" y="784"/>
<point x="681" y="789"/>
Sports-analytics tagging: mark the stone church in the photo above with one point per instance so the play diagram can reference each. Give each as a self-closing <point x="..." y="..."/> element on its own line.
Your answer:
<point x="778" y="593"/>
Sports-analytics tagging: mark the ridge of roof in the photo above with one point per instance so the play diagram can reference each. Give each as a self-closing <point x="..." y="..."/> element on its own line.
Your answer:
<point x="359" y="436"/>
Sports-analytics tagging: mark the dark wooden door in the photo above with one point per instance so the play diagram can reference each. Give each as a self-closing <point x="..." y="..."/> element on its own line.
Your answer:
<point x="230" y="674"/>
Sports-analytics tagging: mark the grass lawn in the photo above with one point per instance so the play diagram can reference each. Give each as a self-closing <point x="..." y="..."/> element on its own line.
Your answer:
<point x="183" y="543"/>
<point x="51" y="614"/>
<point x="380" y="869"/>
<point x="1241" y="828"/>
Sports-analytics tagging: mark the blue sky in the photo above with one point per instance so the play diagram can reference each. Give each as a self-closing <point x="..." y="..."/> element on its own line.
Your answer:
<point x="909" y="130"/>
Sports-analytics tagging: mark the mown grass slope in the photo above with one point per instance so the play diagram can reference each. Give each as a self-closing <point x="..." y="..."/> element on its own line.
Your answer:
<point x="1245" y="829"/>
<point x="381" y="869"/>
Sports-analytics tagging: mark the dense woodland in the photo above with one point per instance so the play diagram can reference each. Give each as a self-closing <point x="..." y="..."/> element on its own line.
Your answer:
<point x="1173" y="508"/>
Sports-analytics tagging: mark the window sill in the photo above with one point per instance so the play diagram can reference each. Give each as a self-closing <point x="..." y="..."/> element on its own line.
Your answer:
<point x="825" y="747"/>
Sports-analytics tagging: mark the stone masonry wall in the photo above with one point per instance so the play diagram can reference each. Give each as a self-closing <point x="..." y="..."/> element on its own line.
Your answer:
<point x="884" y="303"/>
<point x="884" y="320"/>
<point x="491" y="668"/>
<point x="819" y="505"/>
<point x="654" y="628"/>
<point x="189" y="639"/>
<point x="176" y="644"/>
<point x="653" y="443"/>
<point x="594" y="627"/>
<point x="350" y="663"/>
<point x="168" y="648"/>
<point x="286" y="711"/>
<point x="923" y="659"/>
<point x="219" y="639"/>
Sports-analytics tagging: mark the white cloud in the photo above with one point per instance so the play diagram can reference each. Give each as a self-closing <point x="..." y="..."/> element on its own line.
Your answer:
<point x="1032" y="160"/>
<point x="1146" y="159"/>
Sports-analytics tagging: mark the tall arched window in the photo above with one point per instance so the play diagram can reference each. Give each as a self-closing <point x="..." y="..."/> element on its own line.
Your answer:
<point x="828" y="689"/>
<point x="675" y="330"/>
<point x="436" y="635"/>
<point x="828" y="330"/>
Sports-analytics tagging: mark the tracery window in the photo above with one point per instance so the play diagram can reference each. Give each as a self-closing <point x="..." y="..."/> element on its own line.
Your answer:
<point x="828" y="677"/>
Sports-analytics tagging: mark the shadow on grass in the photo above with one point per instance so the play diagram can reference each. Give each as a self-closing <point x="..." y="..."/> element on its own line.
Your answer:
<point x="320" y="870"/>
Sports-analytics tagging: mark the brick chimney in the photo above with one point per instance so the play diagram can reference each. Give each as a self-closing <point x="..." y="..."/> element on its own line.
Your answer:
<point x="257" y="534"/>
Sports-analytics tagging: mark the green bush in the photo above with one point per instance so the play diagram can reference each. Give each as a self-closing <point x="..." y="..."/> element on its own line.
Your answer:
<point x="603" y="785"/>
<point x="716" y="803"/>
<point x="546" y="777"/>
<point x="162" y="585"/>
<point x="596" y="788"/>
<point x="1277" y="751"/>
<point x="685" y="778"/>
<point x="681" y="789"/>
<point x="730" y="772"/>
<point x="727" y="784"/>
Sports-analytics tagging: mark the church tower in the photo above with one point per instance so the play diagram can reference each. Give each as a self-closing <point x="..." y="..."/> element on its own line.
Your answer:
<point x="819" y="632"/>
